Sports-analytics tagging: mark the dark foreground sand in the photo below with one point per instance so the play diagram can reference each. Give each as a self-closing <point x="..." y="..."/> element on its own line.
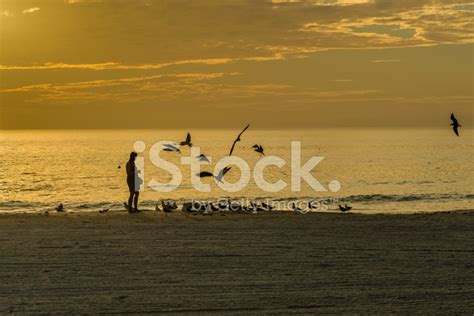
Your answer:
<point x="237" y="264"/>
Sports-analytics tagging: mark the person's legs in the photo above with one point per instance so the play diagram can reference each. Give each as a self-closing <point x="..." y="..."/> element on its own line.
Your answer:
<point x="130" y="200"/>
<point x="135" y="201"/>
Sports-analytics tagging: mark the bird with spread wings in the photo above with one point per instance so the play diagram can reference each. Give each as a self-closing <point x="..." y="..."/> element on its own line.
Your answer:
<point x="238" y="139"/>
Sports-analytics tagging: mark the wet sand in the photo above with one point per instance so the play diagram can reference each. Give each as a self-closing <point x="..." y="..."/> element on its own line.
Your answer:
<point x="270" y="263"/>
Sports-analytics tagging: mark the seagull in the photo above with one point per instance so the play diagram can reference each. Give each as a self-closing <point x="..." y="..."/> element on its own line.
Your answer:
<point x="236" y="207"/>
<point x="256" y="208"/>
<point x="238" y="139"/>
<point x="203" y="158"/>
<point x="296" y="208"/>
<point x="258" y="149"/>
<point x="213" y="207"/>
<point x="60" y="208"/>
<point x="171" y="147"/>
<point x="187" y="141"/>
<point x="455" y="124"/>
<point x="187" y="207"/>
<point x="167" y="208"/>
<point x="345" y="208"/>
<point x="223" y="205"/>
<point x="219" y="177"/>
<point x="266" y="206"/>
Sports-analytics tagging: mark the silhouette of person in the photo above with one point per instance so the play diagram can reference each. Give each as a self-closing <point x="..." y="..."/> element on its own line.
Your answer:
<point x="133" y="183"/>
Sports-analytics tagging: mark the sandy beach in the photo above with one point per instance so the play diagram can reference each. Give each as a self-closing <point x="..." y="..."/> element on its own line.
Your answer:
<point x="270" y="263"/>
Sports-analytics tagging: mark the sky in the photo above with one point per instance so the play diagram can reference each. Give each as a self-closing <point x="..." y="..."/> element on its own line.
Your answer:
<point x="215" y="64"/>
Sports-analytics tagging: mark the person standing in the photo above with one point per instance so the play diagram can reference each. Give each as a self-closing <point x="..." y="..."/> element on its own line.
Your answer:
<point x="133" y="183"/>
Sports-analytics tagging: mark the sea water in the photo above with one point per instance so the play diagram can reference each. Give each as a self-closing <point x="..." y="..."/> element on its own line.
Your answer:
<point x="379" y="170"/>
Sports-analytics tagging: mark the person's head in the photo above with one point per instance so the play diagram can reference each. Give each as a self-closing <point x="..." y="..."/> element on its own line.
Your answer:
<point x="133" y="156"/>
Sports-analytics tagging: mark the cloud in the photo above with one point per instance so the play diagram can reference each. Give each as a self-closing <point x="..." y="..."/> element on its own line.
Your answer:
<point x="119" y="66"/>
<point x="323" y="2"/>
<point x="30" y="10"/>
<point x="82" y="1"/>
<point x="183" y="86"/>
<point x="167" y="31"/>
<point x="385" y="60"/>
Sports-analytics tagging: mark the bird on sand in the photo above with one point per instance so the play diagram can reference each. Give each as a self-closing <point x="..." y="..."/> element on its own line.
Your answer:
<point x="213" y="207"/>
<point x="223" y="204"/>
<point x="187" y="142"/>
<point x="297" y="209"/>
<point x="345" y="208"/>
<point x="218" y="177"/>
<point x="104" y="211"/>
<point x="60" y="208"/>
<point x="455" y="124"/>
<point x="167" y="207"/>
<point x="258" y="149"/>
<point x="171" y="147"/>
<point x="203" y="158"/>
<point x="238" y="139"/>
<point x="267" y="206"/>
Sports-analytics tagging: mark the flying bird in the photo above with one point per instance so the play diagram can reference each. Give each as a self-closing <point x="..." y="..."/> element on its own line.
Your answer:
<point x="219" y="177"/>
<point x="187" y="141"/>
<point x="238" y="139"/>
<point x="258" y="149"/>
<point x="455" y="124"/>
<point x="171" y="147"/>
<point x="203" y="158"/>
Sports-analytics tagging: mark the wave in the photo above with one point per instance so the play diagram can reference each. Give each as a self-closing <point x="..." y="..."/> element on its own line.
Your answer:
<point x="405" y="198"/>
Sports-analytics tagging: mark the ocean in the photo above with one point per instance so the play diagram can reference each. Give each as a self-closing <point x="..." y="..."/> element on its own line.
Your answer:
<point x="379" y="170"/>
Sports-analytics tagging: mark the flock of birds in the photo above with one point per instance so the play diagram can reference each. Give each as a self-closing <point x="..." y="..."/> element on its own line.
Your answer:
<point x="174" y="147"/>
<point x="207" y="208"/>
<point x="254" y="207"/>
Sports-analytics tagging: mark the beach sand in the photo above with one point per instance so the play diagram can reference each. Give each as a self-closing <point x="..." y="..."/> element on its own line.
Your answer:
<point x="270" y="263"/>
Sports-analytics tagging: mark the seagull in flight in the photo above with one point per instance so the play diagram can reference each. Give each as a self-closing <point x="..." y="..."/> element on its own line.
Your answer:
<point x="455" y="124"/>
<point x="219" y="177"/>
<point x="203" y="158"/>
<point x="187" y="141"/>
<point x="172" y="147"/>
<point x="259" y="149"/>
<point x="238" y="139"/>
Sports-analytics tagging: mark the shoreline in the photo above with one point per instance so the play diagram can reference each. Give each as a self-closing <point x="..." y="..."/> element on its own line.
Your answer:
<point x="179" y="212"/>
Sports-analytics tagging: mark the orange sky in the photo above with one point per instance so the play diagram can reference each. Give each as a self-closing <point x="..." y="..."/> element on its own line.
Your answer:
<point x="280" y="63"/>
